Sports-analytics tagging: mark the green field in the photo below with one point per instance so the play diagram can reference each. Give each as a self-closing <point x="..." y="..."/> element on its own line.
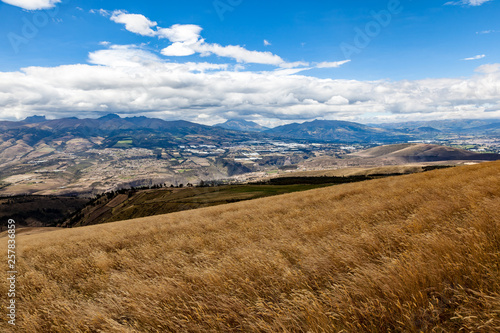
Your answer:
<point x="124" y="143"/>
<point x="163" y="201"/>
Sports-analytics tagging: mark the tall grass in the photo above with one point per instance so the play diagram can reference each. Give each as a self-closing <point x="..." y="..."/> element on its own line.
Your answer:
<point x="417" y="253"/>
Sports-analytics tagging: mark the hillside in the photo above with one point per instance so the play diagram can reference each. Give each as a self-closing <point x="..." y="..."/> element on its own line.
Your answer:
<point x="423" y="153"/>
<point x="133" y="204"/>
<point x="410" y="253"/>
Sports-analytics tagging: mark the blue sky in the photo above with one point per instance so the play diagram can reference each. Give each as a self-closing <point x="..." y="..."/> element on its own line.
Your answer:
<point x="285" y="61"/>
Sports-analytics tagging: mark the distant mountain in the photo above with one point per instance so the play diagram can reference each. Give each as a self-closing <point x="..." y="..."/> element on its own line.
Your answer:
<point x="113" y="122"/>
<point x="450" y="126"/>
<point x="242" y="125"/>
<point x="488" y="129"/>
<point x="423" y="153"/>
<point x="337" y="131"/>
<point x="428" y="129"/>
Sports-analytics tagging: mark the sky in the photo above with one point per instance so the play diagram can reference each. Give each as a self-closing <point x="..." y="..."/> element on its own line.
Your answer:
<point x="273" y="62"/>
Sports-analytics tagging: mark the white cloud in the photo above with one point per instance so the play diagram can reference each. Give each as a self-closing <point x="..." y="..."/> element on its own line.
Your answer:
<point x="240" y="54"/>
<point x="135" y="23"/>
<point x="181" y="33"/>
<point x="477" y="57"/>
<point x="475" y="2"/>
<point x="488" y="68"/>
<point x="33" y="4"/>
<point x="123" y="56"/>
<point x="467" y="2"/>
<point x="337" y="100"/>
<point x="266" y="42"/>
<point x="186" y="40"/>
<point x="334" y="64"/>
<point x="178" y="50"/>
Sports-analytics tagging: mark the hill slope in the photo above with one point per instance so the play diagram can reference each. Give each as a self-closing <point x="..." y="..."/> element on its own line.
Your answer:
<point x="410" y="253"/>
<point x="424" y="153"/>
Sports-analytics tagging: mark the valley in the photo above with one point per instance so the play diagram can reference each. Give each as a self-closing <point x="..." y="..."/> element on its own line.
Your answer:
<point x="86" y="157"/>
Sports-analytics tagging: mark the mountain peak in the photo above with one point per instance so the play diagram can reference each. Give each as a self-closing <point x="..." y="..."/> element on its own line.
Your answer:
<point x="110" y="116"/>
<point x="35" y="119"/>
<point x="241" y="125"/>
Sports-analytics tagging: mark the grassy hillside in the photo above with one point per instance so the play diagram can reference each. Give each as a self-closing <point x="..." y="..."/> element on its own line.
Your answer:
<point x="424" y="153"/>
<point x="412" y="253"/>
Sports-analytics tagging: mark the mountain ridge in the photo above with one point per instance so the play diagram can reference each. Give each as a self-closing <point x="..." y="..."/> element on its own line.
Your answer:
<point x="336" y="131"/>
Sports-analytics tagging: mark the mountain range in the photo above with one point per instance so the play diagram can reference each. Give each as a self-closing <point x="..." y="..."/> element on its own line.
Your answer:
<point x="335" y="130"/>
<point x="152" y="132"/>
<point x="146" y="132"/>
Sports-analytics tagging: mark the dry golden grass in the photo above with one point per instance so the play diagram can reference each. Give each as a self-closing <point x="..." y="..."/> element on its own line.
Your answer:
<point x="29" y="231"/>
<point x="360" y="171"/>
<point x="402" y="254"/>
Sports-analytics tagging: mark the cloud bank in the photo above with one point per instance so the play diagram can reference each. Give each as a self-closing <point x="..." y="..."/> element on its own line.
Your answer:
<point x="130" y="80"/>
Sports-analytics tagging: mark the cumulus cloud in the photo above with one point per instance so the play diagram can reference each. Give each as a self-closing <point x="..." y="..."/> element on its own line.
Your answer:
<point x="186" y="40"/>
<point x="131" y="80"/>
<point x="178" y="50"/>
<point x="467" y="2"/>
<point x="267" y="43"/>
<point x="33" y="4"/>
<point x="181" y="33"/>
<point x="477" y="57"/>
<point x="135" y="23"/>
